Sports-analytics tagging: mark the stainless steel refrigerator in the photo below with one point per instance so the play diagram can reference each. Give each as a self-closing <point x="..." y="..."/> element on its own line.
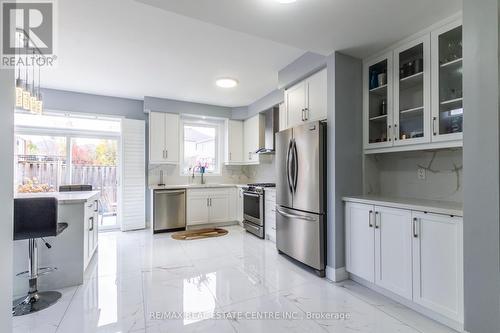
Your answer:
<point x="301" y="194"/>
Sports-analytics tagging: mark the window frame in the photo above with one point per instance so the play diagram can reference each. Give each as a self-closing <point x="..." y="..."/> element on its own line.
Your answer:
<point x="200" y="121"/>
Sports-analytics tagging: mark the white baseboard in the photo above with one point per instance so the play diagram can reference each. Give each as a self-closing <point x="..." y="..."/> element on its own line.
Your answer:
<point x="336" y="274"/>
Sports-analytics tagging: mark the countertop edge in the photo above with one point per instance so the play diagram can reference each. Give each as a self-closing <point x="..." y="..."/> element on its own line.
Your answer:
<point x="431" y="207"/>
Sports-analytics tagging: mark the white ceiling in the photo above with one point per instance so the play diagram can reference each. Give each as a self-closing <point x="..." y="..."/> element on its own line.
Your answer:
<point x="357" y="27"/>
<point x="133" y="49"/>
<point x="127" y="49"/>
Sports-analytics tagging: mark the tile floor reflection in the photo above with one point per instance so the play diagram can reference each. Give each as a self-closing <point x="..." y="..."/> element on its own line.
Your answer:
<point x="138" y="279"/>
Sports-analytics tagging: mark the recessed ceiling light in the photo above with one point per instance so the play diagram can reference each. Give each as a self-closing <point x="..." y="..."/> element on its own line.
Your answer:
<point x="226" y="82"/>
<point x="286" y="1"/>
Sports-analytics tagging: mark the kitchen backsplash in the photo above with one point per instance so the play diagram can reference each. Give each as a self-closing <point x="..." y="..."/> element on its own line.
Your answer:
<point x="396" y="174"/>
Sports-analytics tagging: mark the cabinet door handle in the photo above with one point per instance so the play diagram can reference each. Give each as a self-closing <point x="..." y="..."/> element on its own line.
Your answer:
<point x="207" y="202"/>
<point x="91" y="220"/>
<point x="414" y="226"/>
<point x="395" y="132"/>
<point x="303" y="115"/>
<point x="230" y="156"/>
<point x="390" y="139"/>
<point x="377" y="226"/>
<point x="306" y="114"/>
<point x="166" y="153"/>
<point x="96" y="202"/>
<point x="434" y="126"/>
<point x="370" y="215"/>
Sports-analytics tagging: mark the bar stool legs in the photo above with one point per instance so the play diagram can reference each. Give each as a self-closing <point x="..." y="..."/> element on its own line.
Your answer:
<point x="35" y="300"/>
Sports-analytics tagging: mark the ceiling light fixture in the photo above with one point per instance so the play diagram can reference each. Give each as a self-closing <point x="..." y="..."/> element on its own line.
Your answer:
<point x="226" y="82"/>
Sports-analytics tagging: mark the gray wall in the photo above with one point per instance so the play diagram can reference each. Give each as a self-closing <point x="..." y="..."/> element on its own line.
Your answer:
<point x="275" y="97"/>
<point x="6" y="195"/>
<point x="88" y="103"/>
<point x="300" y="68"/>
<point x="481" y="166"/>
<point x="173" y="106"/>
<point x="345" y="136"/>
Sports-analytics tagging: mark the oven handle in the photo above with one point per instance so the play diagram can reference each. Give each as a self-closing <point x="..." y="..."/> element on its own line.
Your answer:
<point x="250" y="194"/>
<point x="293" y="216"/>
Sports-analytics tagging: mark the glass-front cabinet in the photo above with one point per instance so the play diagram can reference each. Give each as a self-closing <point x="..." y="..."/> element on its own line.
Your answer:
<point x="412" y="95"/>
<point x="378" y="102"/>
<point x="412" y="92"/>
<point x="447" y="106"/>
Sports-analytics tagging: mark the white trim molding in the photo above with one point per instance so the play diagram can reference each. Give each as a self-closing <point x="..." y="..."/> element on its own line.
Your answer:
<point x="336" y="274"/>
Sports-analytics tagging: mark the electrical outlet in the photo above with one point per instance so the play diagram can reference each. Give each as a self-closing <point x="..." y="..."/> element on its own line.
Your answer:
<point x="421" y="173"/>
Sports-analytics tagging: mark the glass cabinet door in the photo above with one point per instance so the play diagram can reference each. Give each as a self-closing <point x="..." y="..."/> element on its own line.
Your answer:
<point x="412" y="90"/>
<point x="447" y="117"/>
<point x="379" y="104"/>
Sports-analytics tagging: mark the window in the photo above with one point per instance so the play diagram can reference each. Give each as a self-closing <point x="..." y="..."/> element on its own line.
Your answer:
<point x="200" y="146"/>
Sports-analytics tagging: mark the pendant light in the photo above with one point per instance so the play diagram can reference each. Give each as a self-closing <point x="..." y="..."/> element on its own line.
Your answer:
<point x="20" y="86"/>
<point x="27" y="87"/>
<point x="33" y="99"/>
<point x="39" y="104"/>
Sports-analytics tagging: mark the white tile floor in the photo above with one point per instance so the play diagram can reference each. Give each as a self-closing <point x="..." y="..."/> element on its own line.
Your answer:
<point x="136" y="276"/>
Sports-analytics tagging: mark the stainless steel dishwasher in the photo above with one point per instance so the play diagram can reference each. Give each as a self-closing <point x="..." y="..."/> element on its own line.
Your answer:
<point x="169" y="210"/>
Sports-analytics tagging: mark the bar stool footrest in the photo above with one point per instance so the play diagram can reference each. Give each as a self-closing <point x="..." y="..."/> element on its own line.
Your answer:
<point x="41" y="271"/>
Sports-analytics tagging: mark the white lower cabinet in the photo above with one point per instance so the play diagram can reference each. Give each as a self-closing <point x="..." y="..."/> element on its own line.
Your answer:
<point x="90" y="232"/>
<point x="360" y="241"/>
<point x="393" y="243"/>
<point x="208" y="206"/>
<point x="270" y="215"/>
<point x="438" y="263"/>
<point x="413" y="254"/>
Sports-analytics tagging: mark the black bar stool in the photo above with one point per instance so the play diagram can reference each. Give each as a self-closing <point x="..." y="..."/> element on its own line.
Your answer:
<point x="35" y="218"/>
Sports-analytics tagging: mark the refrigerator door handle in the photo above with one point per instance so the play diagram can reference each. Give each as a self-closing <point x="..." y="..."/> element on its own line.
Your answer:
<point x="288" y="165"/>
<point x="294" y="216"/>
<point x="295" y="159"/>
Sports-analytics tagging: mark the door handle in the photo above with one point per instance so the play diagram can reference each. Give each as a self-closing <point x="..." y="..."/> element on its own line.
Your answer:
<point x="376" y="225"/>
<point x="91" y="219"/>
<point x="294" y="216"/>
<point x="414" y="227"/>
<point x="96" y="202"/>
<point x="395" y="132"/>
<point x="288" y="166"/>
<point x="303" y="118"/>
<point x="306" y="113"/>
<point x="295" y="166"/>
<point x="370" y="215"/>
<point x="166" y="153"/>
<point x="434" y="126"/>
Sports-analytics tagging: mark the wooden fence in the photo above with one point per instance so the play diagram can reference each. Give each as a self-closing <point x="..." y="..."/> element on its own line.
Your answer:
<point x="53" y="171"/>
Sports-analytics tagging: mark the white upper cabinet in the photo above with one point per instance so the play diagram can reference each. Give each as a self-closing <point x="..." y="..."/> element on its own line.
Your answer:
<point x="317" y="97"/>
<point x="377" y="102"/>
<point x="234" y="142"/>
<point x="447" y="103"/>
<point x="253" y="138"/>
<point x="296" y="103"/>
<point x="412" y="94"/>
<point x="307" y="100"/>
<point x="163" y="138"/>
<point x="412" y="88"/>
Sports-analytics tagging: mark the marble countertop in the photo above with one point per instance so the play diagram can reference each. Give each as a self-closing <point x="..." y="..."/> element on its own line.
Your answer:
<point x="431" y="206"/>
<point x="193" y="186"/>
<point x="62" y="197"/>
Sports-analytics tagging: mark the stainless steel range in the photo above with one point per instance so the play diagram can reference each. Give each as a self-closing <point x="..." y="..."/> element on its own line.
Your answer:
<point x="253" y="208"/>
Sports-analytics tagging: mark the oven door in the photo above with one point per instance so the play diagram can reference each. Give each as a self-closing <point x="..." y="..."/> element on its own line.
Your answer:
<point x="253" y="208"/>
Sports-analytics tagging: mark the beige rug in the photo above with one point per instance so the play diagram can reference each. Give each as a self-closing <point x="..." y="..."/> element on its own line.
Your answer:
<point x="199" y="233"/>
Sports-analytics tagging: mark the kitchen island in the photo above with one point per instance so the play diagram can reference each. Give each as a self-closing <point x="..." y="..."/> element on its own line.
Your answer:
<point x="71" y="251"/>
